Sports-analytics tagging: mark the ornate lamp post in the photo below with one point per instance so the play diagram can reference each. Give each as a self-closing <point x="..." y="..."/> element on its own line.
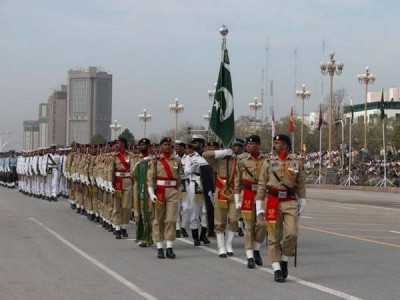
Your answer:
<point x="255" y="106"/>
<point x="302" y="95"/>
<point x="145" y="117"/>
<point x="211" y="93"/>
<point x="115" y="127"/>
<point x="366" y="78"/>
<point x="331" y="67"/>
<point x="176" y="108"/>
<point x="207" y="118"/>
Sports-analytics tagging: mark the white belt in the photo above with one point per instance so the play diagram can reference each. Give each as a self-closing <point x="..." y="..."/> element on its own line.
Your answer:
<point x="166" y="182"/>
<point x="122" y="174"/>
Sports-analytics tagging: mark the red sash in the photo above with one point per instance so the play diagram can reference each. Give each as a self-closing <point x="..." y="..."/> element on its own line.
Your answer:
<point x="160" y="189"/>
<point x="271" y="212"/>
<point x="248" y="199"/>
<point x="118" y="179"/>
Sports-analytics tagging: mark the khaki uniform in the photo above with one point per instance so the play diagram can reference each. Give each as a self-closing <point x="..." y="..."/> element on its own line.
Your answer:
<point x="291" y="177"/>
<point x="247" y="175"/>
<point x="167" y="191"/>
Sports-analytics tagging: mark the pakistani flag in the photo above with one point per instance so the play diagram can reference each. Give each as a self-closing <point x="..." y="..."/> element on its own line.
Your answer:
<point x="222" y="122"/>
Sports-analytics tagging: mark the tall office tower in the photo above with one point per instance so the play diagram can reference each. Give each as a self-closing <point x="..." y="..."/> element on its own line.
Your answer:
<point x="57" y="116"/>
<point x="31" y="135"/>
<point x="43" y="125"/>
<point x="89" y="105"/>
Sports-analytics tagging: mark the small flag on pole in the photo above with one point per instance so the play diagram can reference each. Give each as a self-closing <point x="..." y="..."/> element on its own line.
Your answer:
<point x="291" y="124"/>
<point x="382" y="107"/>
<point x="320" y="117"/>
<point x="351" y="111"/>
<point x="273" y="123"/>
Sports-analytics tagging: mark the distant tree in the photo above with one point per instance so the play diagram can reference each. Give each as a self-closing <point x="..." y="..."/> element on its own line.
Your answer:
<point x="97" y="139"/>
<point x="128" y="136"/>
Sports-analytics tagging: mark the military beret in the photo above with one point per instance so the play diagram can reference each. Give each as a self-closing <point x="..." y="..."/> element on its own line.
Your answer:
<point x="254" y="138"/>
<point x="284" y="138"/>
<point x="123" y="140"/>
<point x="144" y="141"/>
<point x="165" y="140"/>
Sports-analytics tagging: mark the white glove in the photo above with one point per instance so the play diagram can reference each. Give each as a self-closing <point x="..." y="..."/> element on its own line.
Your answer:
<point x="238" y="201"/>
<point x="82" y="178"/>
<point x="222" y="153"/>
<point x="301" y="202"/>
<point x="110" y="187"/>
<point x="152" y="196"/>
<point x="260" y="209"/>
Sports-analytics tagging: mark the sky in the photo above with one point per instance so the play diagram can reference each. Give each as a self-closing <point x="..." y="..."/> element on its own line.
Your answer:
<point x="159" y="50"/>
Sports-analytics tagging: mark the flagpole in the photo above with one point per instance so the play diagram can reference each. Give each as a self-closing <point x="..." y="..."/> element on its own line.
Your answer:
<point x="318" y="180"/>
<point x="349" y="179"/>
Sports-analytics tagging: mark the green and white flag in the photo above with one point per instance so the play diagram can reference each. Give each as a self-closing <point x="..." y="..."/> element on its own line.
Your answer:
<point x="222" y="122"/>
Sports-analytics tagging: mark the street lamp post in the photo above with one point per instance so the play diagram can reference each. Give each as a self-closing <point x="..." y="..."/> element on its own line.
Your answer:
<point x="1" y="140"/>
<point x="331" y="68"/>
<point x="211" y="93"/>
<point x="176" y="108"/>
<point x="255" y="106"/>
<point x="342" y="149"/>
<point x="145" y="117"/>
<point x="366" y="78"/>
<point x="207" y="118"/>
<point x="302" y="95"/>
<point x="115" y="127"/>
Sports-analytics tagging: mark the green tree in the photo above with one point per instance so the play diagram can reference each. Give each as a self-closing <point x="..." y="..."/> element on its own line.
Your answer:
<point x="97" y="139"/>
<point x="128" y="136"/>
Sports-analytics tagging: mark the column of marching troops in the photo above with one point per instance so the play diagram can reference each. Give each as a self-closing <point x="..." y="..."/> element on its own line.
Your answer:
<point x="162" y="188"/>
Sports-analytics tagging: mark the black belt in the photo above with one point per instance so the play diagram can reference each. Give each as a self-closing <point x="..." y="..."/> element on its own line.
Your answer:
<point x="290" y="194"/>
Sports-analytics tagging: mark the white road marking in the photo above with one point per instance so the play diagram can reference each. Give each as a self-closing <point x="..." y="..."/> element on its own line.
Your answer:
<point x="94" y="261"/>
<point x="295" y="279"/>
<point x="392" y="231"/>
<point x="341" y="206"/>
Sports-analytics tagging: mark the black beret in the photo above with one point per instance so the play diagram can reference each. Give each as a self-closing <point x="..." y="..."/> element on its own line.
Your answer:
<point x="123" y="140"/>
<point x="254" y="138"/>
<point x="165" y="140"/>
<point x="284" y="138"/>
<point x="144" y="141"/>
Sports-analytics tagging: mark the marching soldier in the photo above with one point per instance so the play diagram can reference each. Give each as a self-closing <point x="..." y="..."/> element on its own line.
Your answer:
<point x="163" y="183"/>
<point x="247" y="176"/>
<point x="224" y="164"/>
<point x="120" y="177"/>
<point x="142" y="205"/>
<point x="282" y="179"/>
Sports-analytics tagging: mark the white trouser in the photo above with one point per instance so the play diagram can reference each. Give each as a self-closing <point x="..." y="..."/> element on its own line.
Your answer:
<point x="198" y="216"/>
<point x="54" y="182"/>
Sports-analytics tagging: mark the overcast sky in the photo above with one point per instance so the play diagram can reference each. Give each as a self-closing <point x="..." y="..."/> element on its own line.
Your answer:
<point x="158" y="50"/>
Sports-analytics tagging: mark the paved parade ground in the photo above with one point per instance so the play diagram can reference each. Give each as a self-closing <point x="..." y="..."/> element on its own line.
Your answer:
<point x="349" y="248"/>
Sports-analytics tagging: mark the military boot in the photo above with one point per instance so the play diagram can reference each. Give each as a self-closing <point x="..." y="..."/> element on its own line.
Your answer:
<point x="195" y="236"/>
<point x="203" y="236"/>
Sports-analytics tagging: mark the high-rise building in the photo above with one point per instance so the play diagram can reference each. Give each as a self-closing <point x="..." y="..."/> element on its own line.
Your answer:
<point x="89" y="104"/>
<point x="43" y="125"/>
<point x="31" y="135"/>
<point x="57" y="116"/>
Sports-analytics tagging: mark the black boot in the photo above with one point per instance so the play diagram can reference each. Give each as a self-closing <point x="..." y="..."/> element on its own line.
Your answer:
<point x="118" y="234"/>
<point x="184" y="232"/>
<point x="78" y="210"/>
<point x="203" y="236"/>
<point x="160" y="253"/>
<point x="170" y="253"/>
<point x="278" y="276"/>
<point x="177" y="233"/>
<point x="250" y="263"/>
<point x="240" y="232"/>
<point x="257" y="258"/>
<point x="284" y="268"/>
<point x="195" y="236"/>
<point x="124" y="233"/>
<point x="73" y="206"/>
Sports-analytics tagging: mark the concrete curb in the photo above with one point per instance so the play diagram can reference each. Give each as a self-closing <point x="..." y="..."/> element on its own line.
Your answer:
<point x="389" y="189"/>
